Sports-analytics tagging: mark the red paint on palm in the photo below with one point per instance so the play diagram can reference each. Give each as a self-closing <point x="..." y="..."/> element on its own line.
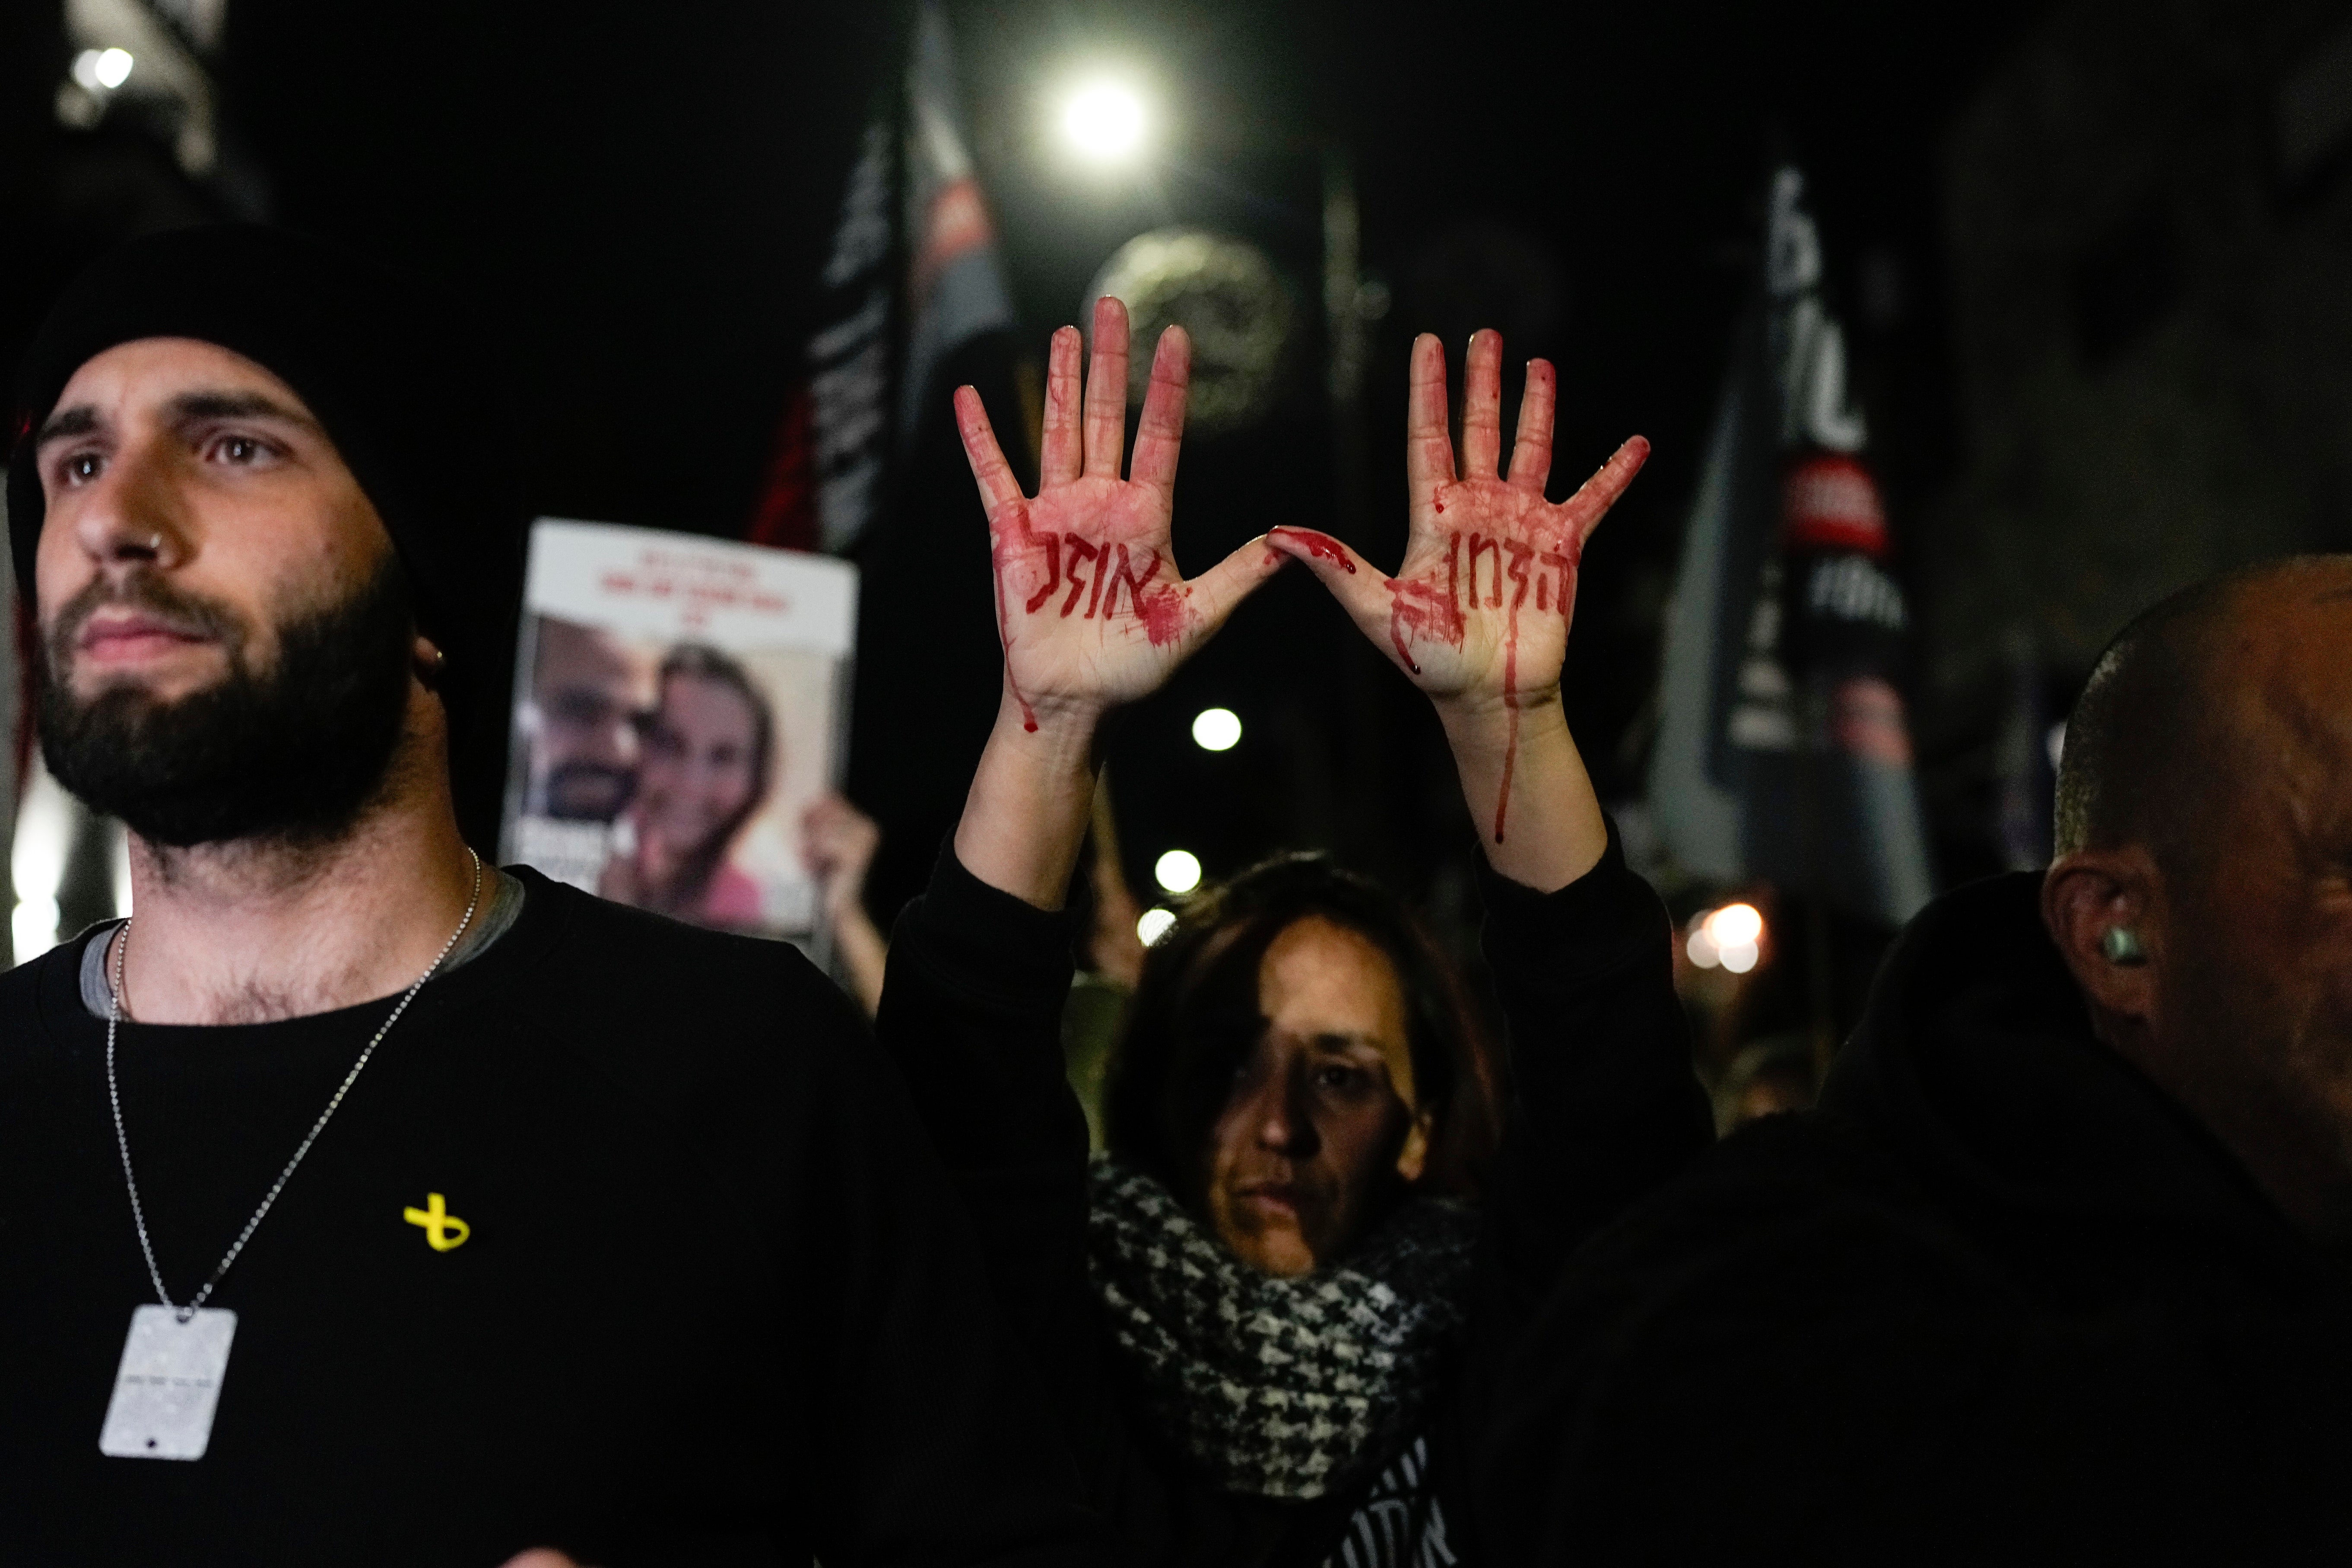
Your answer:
<point x="1080" y="550"/>
<point x="1112" y="577"/>
<point x="1426" y="611"/>
<point x="1001" y="553"/>
<point x="1053" y="567"/>
<point x="1562" y="562"/>
<point x="1437" y="610"/>
<point x="1164" y="613"/>
<point x="1099" y="574"/>
<point x="1486" y="547"/>
<point x="1091" y="545"/>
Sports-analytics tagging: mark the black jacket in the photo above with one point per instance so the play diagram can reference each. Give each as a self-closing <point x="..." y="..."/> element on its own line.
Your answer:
<point x="715" y="1306"/>
<point x="1604" y="1108"/>
<point x="1999" y="1300"/>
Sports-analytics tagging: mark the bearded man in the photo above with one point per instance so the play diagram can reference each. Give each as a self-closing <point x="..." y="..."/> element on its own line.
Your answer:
<point x="362" y="1201"/>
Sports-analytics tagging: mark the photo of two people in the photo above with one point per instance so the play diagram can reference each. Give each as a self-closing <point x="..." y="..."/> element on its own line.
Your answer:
<point x="679" y="706"/>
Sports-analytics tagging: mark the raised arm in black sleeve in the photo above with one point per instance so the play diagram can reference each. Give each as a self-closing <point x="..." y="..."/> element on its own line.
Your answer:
<point x="972" y="1009"/>
<point x="1601" y="1106"/>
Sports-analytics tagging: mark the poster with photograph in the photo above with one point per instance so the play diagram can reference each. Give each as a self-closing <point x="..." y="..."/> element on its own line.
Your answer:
<point x="679" y="702"/>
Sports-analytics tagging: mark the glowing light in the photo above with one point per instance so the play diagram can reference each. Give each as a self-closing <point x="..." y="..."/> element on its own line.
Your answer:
<point x="33" y="927"/>
<point x="122" y="858"/>
<point x="1154" y="924"/>
<point x="37" y="861"/>
<point x="1216" y="729"/>
<point x="95" y="69"/>
<point x="1735" y="925"/>
<point x="1731" y="937"/>
<point x="1104" y="121"/>
<point x="1179" y="870"/>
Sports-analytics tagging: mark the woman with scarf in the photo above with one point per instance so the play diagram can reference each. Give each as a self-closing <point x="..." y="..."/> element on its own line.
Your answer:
<point x="1265" y="1316"/>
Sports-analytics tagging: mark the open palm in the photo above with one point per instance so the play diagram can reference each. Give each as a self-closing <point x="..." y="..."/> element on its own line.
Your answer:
<point x="1088" y="602"/>
<point x="1480" y="610"/>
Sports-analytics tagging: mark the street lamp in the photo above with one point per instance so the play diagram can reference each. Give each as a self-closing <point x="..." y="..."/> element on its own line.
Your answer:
<point x="1104" y="121"/>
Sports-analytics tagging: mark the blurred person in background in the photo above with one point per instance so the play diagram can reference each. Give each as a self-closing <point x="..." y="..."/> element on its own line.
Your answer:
<point x="709" y="757"/>
<point x="588" y="689"/>
<point x="2059" y="1269"/>
<point x="598" y="1232"/>
<point x="1263" y="1316"/>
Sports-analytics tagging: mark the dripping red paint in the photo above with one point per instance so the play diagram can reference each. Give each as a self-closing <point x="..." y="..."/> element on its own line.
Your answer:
<point x="996" y="554"/>
<point x="1321" y="546"/>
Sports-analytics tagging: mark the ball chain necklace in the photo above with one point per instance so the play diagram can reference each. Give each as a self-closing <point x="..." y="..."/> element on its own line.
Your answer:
<point x="169" y="1381"/>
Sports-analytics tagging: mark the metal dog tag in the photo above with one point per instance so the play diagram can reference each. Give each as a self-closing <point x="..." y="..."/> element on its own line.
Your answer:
<point x="169" y="1381"/>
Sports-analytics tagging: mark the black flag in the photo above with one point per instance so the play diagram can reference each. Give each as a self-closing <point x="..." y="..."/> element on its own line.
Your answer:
<point x="868" y="461"/>
<point x="1783" y="754"/>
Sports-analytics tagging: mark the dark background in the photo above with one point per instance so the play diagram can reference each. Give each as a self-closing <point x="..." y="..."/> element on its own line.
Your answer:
<point x="2094" y="306"/>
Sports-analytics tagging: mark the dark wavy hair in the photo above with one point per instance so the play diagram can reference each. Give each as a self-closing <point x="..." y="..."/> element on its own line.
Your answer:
<point x="1195" y="1015"/>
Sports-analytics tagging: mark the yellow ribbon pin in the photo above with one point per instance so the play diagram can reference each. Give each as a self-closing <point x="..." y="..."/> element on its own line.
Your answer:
<point x="443" y="1230"/>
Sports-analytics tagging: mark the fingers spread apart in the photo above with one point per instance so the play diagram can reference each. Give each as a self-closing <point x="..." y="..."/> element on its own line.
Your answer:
<point x="1060" y="454"/>
<point x="1583" y="510"/>
<point x="997" y="488"/>
<point x="1482" y="406"/>
<point x="1428" y="446"/>
<point x="1106" y="390"/>
<point x="1161" y="432"/>
<point x="1531" y="447"/>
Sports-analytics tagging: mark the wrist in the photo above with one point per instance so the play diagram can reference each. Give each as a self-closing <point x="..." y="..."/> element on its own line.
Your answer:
<point x="1489" y="717"/>
<point x="1056" y="732"/>
<point x="1027" y="810"/>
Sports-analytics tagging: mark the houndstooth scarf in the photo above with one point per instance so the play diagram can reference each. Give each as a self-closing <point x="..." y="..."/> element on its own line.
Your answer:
<point x="1278" y="1387"/>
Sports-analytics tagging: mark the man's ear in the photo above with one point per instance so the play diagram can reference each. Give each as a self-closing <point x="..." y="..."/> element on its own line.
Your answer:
<point x="428" y="659"/>
<point x="1414" y="1158"/>
<point x="2105" y="909"/>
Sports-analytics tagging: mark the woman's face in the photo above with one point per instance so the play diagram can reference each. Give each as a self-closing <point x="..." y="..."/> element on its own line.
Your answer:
<point x="698" y="763"/>
<point x="1321" y="1117"/>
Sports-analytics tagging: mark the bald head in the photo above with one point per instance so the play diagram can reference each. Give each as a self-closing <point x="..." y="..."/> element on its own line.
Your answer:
<point x="2201" y="895"/>
<point x="2199" y="698"/>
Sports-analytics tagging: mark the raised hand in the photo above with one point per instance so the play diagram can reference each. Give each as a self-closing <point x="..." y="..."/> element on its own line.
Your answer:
<point x="837" y="846"/>
<point x="1088" y="603"/>
<point x="1478" y="614"/>
<point x="1482" y="606"/>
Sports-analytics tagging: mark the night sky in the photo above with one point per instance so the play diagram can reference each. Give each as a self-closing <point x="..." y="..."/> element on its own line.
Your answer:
<point x="642" y="196"/>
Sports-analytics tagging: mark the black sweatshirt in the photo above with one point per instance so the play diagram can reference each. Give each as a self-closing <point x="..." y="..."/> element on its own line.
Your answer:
<point x="1605" y="1109"/>
<point x="718" y="1304"/>
<point x="2000" y="1299"/>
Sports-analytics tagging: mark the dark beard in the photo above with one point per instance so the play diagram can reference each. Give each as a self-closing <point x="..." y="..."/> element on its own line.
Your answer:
<point x="292" y="754"/>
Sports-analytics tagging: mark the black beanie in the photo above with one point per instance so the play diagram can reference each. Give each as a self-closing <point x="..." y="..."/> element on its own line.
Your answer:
<point x="403" y="390"/>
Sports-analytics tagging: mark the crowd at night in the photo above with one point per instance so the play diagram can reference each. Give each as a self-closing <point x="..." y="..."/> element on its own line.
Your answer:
<point x="1189" y="783"/>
